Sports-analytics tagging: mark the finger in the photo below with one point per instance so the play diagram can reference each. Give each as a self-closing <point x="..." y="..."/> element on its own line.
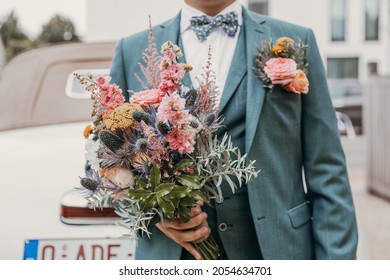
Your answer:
<point x="200" y="203"/>
<point x="177" y="236"/>
<point x="203" y="224"/>
<point x="192" y="223"/>
<point x="190" y="235"/>
<point x="195" y="211"/>
<point x="192" y="250"/>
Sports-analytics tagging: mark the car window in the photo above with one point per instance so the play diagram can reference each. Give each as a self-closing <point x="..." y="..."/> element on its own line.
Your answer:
<point x="75" y="89"/>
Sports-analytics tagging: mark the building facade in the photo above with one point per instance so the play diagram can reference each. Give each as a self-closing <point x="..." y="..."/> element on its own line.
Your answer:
<point x="353" y="35"/>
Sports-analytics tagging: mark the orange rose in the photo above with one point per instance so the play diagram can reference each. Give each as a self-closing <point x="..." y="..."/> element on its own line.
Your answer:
<point x="300" y="83"/>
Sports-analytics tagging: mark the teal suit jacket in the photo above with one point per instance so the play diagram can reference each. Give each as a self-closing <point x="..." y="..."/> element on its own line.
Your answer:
<point x="301" y="202"/>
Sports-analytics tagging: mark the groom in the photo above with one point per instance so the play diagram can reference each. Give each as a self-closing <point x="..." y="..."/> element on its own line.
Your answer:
<point x="300" y="206"/>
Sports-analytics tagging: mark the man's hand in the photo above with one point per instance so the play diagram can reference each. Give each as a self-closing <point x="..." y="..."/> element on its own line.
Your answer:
<point x="186" y="234"/>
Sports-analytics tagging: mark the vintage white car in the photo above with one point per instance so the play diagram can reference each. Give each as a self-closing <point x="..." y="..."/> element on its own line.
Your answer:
<point x="42" y="156"/>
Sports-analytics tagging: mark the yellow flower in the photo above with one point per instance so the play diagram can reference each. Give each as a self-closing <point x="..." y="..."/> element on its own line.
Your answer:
<point x="187" y="67"/>
<point x="121" y="117"/>
<point x="139" y="160"/>
<point x="87" y="131"/>
<point x="282" y="44"/>
<point x="277" y="49"/>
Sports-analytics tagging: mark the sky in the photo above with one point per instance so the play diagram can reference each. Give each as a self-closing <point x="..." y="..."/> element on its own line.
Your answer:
<point x="32" y="14"/>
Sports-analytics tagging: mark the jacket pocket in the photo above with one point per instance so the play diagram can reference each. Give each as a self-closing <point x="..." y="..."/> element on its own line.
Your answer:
<point x="300" y="215"/>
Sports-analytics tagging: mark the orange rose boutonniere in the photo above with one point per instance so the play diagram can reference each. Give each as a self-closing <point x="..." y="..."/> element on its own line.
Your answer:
<point x="283" y="64"/>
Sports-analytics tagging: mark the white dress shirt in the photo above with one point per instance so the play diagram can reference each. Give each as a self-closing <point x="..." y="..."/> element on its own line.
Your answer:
<point x="222" y="46"/>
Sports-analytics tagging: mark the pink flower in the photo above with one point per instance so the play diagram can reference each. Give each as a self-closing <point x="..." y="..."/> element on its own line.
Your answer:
<point x="172" y="109"/>
<point x="180" y="141"/>
<point x="146" y="97"/>
<point x="280" y="70"/>
<point x="111" y="96"/>
<point x="300" y="83"/>
<point x="101" y="80"/>
<point x="171" y="77"/>
<point x="171" y="72"/>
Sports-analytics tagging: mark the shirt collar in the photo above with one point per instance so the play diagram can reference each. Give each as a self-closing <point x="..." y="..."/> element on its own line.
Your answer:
<point x="187" y="12"/>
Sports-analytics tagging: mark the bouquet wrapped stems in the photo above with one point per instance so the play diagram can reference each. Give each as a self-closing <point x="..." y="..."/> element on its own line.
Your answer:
<point x="208" y="249"/>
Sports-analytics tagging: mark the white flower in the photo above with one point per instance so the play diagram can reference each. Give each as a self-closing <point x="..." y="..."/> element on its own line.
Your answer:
<point x="91" y="150"/>
<point x="122" y="177"/>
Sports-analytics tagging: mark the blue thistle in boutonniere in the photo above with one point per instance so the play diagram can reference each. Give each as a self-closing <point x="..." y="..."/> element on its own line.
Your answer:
<point x="283" y="64"/>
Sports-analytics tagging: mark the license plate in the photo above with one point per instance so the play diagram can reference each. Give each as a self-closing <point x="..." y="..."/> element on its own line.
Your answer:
<point x="79" y="249"/>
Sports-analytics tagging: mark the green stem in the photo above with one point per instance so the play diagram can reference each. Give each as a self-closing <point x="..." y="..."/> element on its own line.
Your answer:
<point x="208" y="249"/>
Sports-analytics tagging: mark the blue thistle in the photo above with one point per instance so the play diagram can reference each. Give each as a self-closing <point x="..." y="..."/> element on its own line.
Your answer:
<point x="192" y="98"/>
<point x="141" y="145"/>
<point x="90" y="184"/>
<point x="139" y="116"/>
<point x="148" y="115"/>
<point x="163" y="128"/>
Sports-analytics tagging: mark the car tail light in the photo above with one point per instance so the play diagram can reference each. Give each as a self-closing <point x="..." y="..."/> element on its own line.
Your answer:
<point x="75" y="211"/>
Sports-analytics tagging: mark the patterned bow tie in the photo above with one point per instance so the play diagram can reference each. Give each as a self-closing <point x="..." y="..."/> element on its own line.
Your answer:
<point x="203" y="25"/>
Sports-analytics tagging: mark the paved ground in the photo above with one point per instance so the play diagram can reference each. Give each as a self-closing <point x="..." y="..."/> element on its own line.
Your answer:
<point x="373" y="212"/>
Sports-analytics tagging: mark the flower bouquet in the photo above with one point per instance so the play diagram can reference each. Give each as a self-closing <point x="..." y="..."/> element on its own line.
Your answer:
<point x="283" y="64"/>
<point x="154" y="157"/>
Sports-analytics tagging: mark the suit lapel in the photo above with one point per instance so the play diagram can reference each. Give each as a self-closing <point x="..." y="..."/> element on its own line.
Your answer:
<point x="236" y="72"/>
<point x="256" y="32"/>
<point x="168" y="31"/>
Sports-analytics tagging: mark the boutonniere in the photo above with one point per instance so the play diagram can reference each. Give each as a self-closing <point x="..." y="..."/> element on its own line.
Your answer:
<point x="283" y="64"/>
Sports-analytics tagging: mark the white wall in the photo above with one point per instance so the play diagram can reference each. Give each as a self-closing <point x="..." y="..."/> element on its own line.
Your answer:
<point x="111" y="20"/>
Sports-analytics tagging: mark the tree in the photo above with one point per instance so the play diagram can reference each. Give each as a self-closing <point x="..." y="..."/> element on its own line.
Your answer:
<point x="14" y="39"/>
<point x="58" y="29"/>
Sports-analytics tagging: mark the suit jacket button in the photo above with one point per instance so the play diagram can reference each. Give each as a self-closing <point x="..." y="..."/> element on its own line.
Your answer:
<point x="222" y="227"/>
<point x="219" y="199"/>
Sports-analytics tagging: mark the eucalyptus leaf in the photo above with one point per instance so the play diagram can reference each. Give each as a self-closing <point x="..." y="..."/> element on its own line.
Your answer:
<point x="219" y="182"/>
<point x="185" y="214"/>
<point x="191" y="181"/>
<point x="164" y="189"/>
<point x="167" y="208"/>
<point x="155" y="177"/>
<point x="187" y="201"/>
<point x="178" y="192"/>
<point x="232" y="185"/>
<point x="141" y="183"/>
<point x="175" y="201"/>
<point x="139" y="194"/>
<point x="198" y="195"/>
<point x="182" y="165"/>
<point x="148" y="203"/>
